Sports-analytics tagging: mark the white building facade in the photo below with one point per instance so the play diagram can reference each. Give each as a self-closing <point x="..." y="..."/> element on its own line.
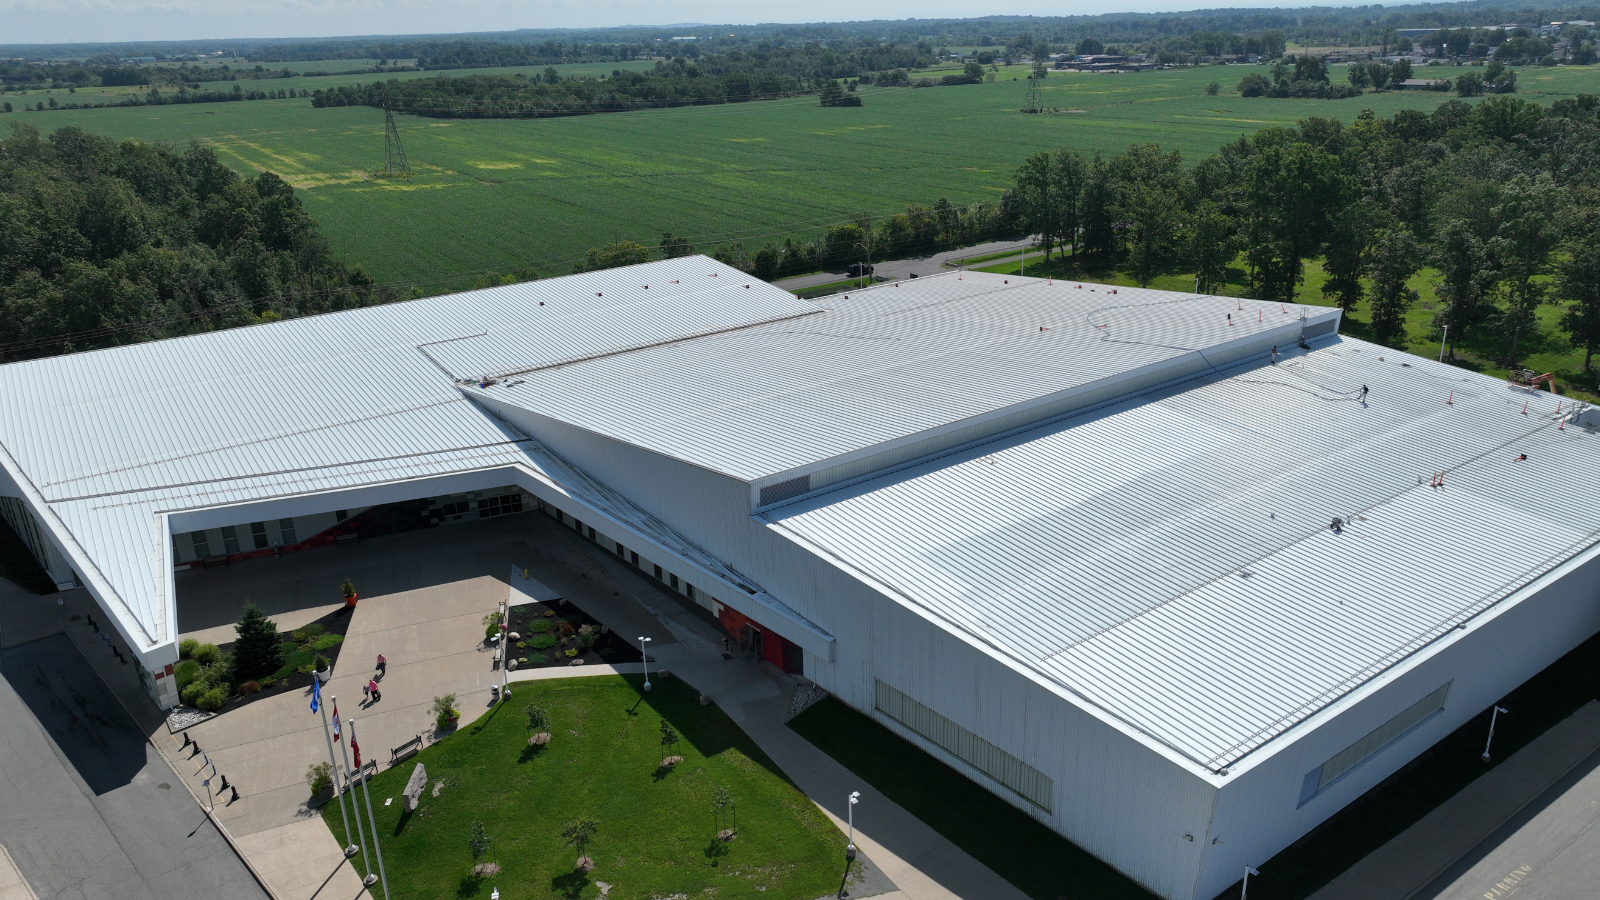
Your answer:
<point x="1179" y="576"/>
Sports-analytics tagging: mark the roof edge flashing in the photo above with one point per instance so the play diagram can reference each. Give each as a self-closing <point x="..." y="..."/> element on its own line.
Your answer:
<point x="771" y="491"/>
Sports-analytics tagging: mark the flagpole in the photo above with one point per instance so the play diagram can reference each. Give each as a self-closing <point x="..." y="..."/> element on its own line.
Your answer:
<point x="349" y="845"/>
<point x="359" y="836"/>
<point x="366" y="790"/>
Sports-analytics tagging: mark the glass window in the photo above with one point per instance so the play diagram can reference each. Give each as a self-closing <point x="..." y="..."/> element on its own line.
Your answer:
<point x="674" y="582"/>
<point x="286" y="528"/>
<point x="635" y="558"/>
<point x="230" y="539"/>
<point x="202" y="548"/>
<point x="258" y="535"/>
<point x="658" y="573"/>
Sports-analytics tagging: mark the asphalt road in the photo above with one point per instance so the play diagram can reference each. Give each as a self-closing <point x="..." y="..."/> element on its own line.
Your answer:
<point x="87" y="809"/>
<point x="899" y="269"/>
<point x="1548" y="851"/>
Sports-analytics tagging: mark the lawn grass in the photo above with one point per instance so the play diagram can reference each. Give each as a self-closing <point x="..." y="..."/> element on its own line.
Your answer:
<point x="1483" y="350"/>
<point x="1046" y="866"/>
<point x="1017" y="847"/>
<point x="499" y="194"/>
<point x="656" y="830"/>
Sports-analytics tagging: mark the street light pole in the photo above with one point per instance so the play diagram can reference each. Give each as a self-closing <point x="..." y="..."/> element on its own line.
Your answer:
<point x="850" y="846"/>
<point x="646" y="658"/>
<point x="505" y="652"/>
<point x="1244" y="892"/>
<point x="1492" y="717"/>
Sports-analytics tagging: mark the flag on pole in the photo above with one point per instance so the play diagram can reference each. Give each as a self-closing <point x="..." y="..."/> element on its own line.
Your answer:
<point x="356" y="749"/>
<point x="316" y="693"/>
<point x="336" y="724"/>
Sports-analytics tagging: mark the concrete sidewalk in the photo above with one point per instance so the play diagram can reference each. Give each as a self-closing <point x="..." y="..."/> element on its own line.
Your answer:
<point x="923" y="864"/>
<point x="1443" y="848"/>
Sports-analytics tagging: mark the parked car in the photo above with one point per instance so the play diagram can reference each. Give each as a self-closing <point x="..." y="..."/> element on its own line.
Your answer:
<point x="857" y="270"/>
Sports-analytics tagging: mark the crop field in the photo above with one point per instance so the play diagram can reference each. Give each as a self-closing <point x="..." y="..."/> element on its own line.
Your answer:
<point x="498" y="194"/>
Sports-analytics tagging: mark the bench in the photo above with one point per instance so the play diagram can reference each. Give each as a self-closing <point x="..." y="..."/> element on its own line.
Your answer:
<point x="405" y="751"/>
<point x="210" y="561"/>
<point x="368" y="769"/>
<point x="350" y="538"/>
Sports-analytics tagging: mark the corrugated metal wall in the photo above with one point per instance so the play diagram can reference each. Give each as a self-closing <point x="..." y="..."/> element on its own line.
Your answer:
<point x="1258" y="812"/>
<point x="21" y="519"/>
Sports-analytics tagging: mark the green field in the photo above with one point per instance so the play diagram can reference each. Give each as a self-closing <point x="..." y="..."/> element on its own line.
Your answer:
<point x="499" y="194"/>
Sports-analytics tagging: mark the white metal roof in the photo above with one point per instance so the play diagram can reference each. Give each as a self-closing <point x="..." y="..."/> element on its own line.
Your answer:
<point x="1169" y="559"/>
<point x="878" y="365"/>
<point x="107" y="440"/>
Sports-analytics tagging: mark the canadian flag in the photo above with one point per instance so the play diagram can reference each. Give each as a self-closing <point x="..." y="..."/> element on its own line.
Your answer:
<point x="336" y="723"/>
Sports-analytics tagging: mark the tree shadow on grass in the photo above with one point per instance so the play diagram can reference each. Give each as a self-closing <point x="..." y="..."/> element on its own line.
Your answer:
<point x="570" y="885"/>
<point x="716" y="850"/>
<point x="706" y="728"/>
<point x="470" y="886"/>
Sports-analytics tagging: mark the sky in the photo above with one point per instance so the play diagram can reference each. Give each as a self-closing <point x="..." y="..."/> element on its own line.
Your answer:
<point x="60" y="21"/>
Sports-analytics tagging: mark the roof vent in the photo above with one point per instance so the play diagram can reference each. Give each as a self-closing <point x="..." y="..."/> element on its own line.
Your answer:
<point x="783" y="490"/>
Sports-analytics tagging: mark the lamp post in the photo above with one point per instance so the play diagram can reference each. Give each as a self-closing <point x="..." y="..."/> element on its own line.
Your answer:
<point x="505" y="652"/>
<point x="850" y="846"/>
<point x="646" y="658"/>
<point x="1244" y="892"/>
<point x="1492" y="717"/>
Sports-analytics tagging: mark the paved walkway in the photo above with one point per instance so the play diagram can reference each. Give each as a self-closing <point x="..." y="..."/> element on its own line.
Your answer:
<point x="423" y="599"/>
<point x="922" y="864"/>
<point x="12" y="885"/>
<point x="1523" y="827"/>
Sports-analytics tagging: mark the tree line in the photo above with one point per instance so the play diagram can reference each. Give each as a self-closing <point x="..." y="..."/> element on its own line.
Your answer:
<point x="1501" y="199"/>
<point x="156" y="97"/>
<point x="105" y="243"/>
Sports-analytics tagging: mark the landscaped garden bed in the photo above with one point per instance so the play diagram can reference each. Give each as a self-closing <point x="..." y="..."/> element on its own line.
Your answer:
<point x="525" y="810"/>
<point x="209" y="678"/>
<point x="559" y="634"/>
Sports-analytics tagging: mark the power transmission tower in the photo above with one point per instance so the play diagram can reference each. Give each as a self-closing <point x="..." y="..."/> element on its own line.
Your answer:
<point x="394" y="154"/>
<point x="1032" y="104"/>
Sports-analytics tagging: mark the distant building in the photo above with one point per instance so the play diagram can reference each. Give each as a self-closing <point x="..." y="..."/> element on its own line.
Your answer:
<point x="1424" y="84"/>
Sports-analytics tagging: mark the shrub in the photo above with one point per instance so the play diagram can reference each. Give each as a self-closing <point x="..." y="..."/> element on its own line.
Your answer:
<point x="213" y="698"/>
<point x="539" y="626"/>
<point x="347" y="587"/>
<point x="312" y="630"/>
<point x="268" y="682"/>
<point x="522" y="645"/>
<point x="542" y="641"/>
<point x="320" y="777"/>
<point x="587" y="639"/>
<point x="1212" y="89"/>
<point x="186" y="671"/>
<point x="320" y="662"/>
<point x="191" y="695"/>
<point x="326" y="641"/>
<point x="187" y="647"/>
<point x="536" y="659"/>
<point x="250" y="687"/>
<point x="444" y="709"/>
<point x="571" y="653"/>
<point x="206" y="654"/>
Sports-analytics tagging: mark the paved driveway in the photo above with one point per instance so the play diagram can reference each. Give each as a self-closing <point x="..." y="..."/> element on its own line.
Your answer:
<point x="900" y="269"/>
<point x="87" y="808"/>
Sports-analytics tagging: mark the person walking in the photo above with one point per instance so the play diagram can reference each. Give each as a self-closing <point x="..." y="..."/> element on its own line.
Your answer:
<point x="383" y="666"/>
<point x="372" y="688"/>
<point x="366" y="694"/>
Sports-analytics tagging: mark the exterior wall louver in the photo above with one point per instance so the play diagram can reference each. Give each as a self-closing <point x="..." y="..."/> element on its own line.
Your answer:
<point x="783" y="490"/>
<point x="1029" y="783"/>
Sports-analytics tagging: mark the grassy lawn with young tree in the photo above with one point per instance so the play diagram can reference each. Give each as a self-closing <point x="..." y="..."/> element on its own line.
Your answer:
<point x="656" y="827"/>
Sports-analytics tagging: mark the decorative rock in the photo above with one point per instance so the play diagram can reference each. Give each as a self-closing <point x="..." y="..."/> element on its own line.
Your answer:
<point x="705" y="699"/>
<point x="514" y="636"/>
<point x="413" y="793"/>
<point x="664" y="674"/>
<point x="511" y="664"/>
<point x="576" y="662"/>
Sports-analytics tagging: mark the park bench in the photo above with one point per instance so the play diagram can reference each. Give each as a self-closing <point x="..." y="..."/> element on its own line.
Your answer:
<point x="210" y="561"/>
<point x="404" y="751"/>
<point x="350" y="538"/>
